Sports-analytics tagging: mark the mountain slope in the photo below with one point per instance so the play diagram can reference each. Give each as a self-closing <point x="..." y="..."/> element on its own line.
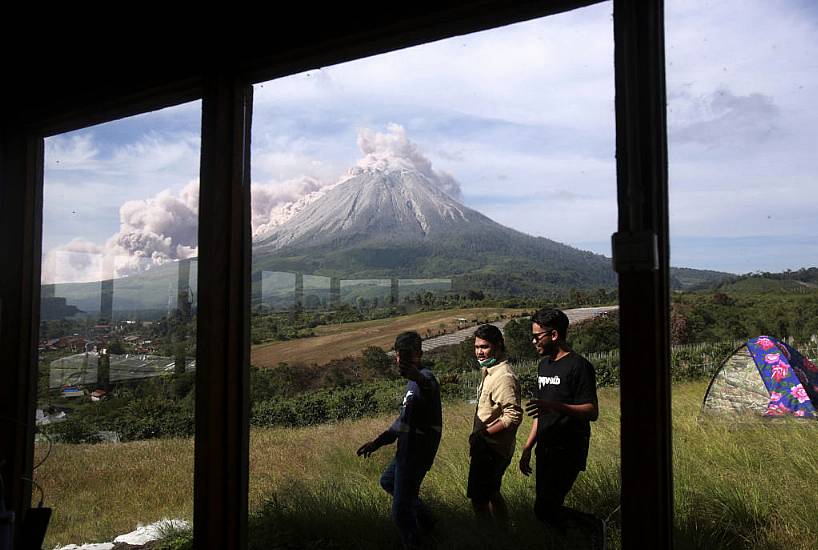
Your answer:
<point x="395" y="223"/>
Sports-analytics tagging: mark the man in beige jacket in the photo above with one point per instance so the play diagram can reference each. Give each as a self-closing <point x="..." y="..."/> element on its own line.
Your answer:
<point x="498" y="415"/>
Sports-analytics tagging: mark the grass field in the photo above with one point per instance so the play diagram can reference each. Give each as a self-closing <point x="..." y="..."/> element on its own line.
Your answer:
<point x="349" y="339"/>
<point x="737" y="485"/>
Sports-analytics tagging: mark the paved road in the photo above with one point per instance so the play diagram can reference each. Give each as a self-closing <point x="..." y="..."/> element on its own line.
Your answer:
<point x="574" y="316"/>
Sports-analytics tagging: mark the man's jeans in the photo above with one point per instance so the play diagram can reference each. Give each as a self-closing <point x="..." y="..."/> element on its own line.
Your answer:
<point x="402" y="481"/>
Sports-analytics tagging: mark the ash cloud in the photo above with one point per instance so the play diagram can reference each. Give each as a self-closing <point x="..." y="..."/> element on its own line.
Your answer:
<point x="275" y="203"/>
<point x="152" y="232"/>
<point x="393" y="150"/>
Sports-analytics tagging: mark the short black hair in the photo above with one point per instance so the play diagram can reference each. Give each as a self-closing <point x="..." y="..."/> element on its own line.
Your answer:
<point x="491" y="334"/>
<point x="552" y="318"/>
<point x="409" y="341"/>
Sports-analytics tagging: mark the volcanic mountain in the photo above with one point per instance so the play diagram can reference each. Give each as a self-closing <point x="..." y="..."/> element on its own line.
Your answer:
<point x="395" y="222"/>
<point x="384" y="222"/>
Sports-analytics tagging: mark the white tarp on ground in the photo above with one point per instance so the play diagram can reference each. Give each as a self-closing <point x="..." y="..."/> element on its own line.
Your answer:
<point x="142" y="535"/>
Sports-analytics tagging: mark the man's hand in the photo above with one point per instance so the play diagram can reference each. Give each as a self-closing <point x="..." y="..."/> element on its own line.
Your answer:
<point x="536" y="407"/>
<point x="586" y="411"/>
<point x="525" y="462"/>
<point x="368" y="448"/>
<point x="409" y="371"/>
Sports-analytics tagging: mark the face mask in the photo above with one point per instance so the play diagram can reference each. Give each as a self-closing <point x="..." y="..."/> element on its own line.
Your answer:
<point x="490" y="362"/>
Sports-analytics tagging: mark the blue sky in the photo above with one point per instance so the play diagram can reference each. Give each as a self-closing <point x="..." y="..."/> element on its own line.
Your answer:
<point x="521" y="117"/>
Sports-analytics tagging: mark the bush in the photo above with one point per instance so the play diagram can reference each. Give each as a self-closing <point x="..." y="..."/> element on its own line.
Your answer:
<point x="75" y="429"/>
<point x="153" y="416"/>
<point x="375" y="359"/>
<point x="517" y="334"/>
<point x="595" y="335"/>
<point x="326" y="405"/>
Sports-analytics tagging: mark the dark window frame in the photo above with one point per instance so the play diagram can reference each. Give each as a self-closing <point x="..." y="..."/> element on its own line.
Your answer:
<point x="221" y="476"/>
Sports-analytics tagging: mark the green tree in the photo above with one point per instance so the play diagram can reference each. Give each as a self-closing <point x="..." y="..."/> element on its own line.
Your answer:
<point x="517" y="335"/>
<point x="595" y="335"/>
<point x="104" y="370"/>
<point x="375" y="360"/>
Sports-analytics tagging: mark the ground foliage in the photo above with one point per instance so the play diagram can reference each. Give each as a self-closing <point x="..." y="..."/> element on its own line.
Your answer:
<point x="725" y="496"/>
<point x="352" y="387"/>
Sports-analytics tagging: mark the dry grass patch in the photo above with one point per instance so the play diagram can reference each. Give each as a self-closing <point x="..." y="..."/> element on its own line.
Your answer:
<point x="100" y="491"/>
<point x="349" y="339"/>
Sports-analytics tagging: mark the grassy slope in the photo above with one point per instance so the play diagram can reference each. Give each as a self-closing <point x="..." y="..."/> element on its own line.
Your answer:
<point x="737" y="486"/>
<point x="349" y="339"/>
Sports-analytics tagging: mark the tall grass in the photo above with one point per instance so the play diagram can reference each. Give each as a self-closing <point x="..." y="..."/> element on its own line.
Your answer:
<point x="744" y="484"/>
<point x="737" y="485"/>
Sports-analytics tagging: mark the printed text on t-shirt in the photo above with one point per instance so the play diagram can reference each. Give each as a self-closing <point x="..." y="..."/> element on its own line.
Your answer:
<point x="548" y="380"/>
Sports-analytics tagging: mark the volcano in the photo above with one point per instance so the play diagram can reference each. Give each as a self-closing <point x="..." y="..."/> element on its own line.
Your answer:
<point x="395" y="222"/>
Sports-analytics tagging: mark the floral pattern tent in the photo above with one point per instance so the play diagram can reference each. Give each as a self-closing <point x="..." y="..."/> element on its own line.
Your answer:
<point x="764" y="376"/>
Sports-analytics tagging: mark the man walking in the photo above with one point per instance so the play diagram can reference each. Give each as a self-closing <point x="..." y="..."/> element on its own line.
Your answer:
<point x="417" y="431"/>
<point x="566" y="404"/>
<point x="496" y="419"/>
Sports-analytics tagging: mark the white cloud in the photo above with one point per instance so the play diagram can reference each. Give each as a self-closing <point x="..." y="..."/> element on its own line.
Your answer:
<point x="75" y="152"/>
<point x="83" y="159"/>
<point x="544" y="71"/>
<point x="723" y="117"/>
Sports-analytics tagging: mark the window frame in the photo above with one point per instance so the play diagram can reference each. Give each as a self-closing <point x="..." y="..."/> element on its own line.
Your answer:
<point x="222" y="405"/>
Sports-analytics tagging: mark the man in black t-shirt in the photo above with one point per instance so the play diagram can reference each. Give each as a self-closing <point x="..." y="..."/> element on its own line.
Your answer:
<point x="565" y="406"/>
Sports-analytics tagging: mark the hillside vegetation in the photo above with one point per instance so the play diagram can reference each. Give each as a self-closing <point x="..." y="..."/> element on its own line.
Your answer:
<point x="744" y="309"/>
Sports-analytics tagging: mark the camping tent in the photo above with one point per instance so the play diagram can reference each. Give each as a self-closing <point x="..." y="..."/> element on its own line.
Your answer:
<point x="764" y="376"/>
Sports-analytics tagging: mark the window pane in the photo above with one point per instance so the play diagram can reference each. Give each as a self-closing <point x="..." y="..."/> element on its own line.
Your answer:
<point x="742" y="166"/>
<point x="429" y="189"/>
<point x="118" y="325"/>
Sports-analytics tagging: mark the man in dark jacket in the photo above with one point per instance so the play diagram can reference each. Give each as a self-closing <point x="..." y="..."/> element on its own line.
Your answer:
<point x="417" y="431"/>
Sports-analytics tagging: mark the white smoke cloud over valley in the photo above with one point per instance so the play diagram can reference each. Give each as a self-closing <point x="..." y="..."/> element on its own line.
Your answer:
<point x="152" y="232"/>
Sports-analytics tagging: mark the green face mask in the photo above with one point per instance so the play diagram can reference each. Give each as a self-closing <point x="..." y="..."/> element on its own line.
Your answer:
<point x="490" y="362"/>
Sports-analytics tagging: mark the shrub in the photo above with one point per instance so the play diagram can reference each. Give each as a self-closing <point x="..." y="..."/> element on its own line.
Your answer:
<point x="154" y="416"/>
<point x="375" y="359"/>
<point x="75" y="429"/>
<point x="326" y="405"/>
<point x="595" y="335"/>
<point x="517" y="334"/>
